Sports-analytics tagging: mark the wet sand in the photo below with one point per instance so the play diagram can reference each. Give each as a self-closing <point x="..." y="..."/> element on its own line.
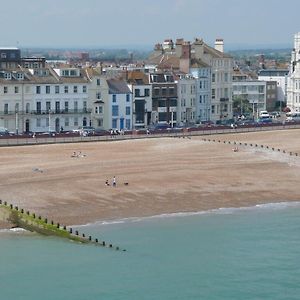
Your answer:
<point x="154" y="176"/>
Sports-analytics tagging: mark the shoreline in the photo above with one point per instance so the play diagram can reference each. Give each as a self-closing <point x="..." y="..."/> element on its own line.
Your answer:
<point x="222" y="210"/>
<point x="154" y="176"/>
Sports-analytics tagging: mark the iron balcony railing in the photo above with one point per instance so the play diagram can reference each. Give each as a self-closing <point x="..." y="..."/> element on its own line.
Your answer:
<point x="46" y="112"/>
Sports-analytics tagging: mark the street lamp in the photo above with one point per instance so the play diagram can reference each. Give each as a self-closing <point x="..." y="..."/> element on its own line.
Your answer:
<point x="17" y="122"/>
<point x="49" y="120"/>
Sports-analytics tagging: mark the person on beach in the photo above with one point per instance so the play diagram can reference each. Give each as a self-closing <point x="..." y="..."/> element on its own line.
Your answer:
<point x="114" y="183"/>
<point x="106" y="183"/>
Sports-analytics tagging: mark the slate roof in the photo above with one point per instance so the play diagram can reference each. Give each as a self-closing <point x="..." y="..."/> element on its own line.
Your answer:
<point x="117" y="86"/>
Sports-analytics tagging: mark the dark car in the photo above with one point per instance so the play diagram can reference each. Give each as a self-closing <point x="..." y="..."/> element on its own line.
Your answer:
<point x="101" y="131"/>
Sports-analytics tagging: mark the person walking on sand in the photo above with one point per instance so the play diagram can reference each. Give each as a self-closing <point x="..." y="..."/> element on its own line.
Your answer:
<point x="114" y="183"/>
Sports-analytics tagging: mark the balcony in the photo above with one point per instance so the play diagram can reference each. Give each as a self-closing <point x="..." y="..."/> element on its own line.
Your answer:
<point x="62" y="111"/>
<point x="224" y="99"/>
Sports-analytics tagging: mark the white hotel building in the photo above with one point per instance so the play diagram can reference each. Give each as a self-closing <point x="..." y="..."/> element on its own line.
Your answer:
<point x="293" y="85"/>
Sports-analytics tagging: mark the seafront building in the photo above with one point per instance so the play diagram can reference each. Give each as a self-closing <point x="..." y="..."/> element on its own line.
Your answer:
<point x="261" y="95"/>
<point x="293" y="84"/>
<point x="211" y="66"/>
<point x="34" y="97"/>
<point x="181" y="84"/>
<point x="280" y="76"/>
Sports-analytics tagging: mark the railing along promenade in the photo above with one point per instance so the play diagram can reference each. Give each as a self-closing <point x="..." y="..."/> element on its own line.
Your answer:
<point x="64" y="138"/>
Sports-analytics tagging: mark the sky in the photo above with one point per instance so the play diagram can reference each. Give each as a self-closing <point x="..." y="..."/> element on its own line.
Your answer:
<point x="139" y="23"/>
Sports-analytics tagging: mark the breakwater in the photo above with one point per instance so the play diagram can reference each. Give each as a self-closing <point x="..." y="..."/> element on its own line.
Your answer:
<point x="30" y="221"/>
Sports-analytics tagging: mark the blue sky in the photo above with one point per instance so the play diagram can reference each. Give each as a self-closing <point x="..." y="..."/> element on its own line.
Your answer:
<point x="99" y="23"/>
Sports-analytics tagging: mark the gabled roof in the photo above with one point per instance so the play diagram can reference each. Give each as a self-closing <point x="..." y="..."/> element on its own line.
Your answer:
<point x="117" y="86"/>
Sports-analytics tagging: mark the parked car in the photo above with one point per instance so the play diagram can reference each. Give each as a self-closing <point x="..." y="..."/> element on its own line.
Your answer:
<point x="3" y="131"/>
<point x="101" y="131"/>
<point x="264" y="114"/>
<point x="85" y="130"/>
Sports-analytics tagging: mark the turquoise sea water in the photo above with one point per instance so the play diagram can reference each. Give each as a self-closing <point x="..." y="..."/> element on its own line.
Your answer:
<point x="251" y="253"/>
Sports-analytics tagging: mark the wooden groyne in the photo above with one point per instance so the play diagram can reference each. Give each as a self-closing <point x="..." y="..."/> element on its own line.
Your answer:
<point x="30" y="221"/>
<point x="253" y="145"/>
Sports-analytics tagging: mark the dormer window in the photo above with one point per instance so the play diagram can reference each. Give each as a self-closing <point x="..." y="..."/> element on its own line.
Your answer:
<point x="7" y="75"/>
<point x="20" y="76"/>
<point x="70" y="73"/>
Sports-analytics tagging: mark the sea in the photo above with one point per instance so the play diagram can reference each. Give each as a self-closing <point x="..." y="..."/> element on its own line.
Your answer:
<point x="232" y="253"/>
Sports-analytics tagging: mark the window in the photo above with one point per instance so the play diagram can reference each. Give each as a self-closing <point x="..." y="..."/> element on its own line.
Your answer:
<point x="27" y="108"/>
<point x="38" y="89"/>
<point x="171" y="91"/>
<point x="66" y="89"/>
<point x="226" y="77"/>
<point x="66" y="107"/>
<point x="84" y="106"/>
<point x="20" y="76"/>
<point x="127" y="110"/>
<point x="6" y="108"/>
<point x="65" y="72"/>
<point x="98" y="81"/>
<point x="147" y="92"/>
<point x="96" y="110"/>
<point x="38" y="122"/>
<point x="75" y="89"/>
<point x="212" y="109"/>
<point x="114" y="98"/>
<point x="100" y="109"/>
<point x="48" y="106"/>
<point x="98" y="95"/>
<point x="38" y="107"/>
<point x="5" y="89"/>
<point x="84" y="90"/>
<point x="226" y="92"/>
<point x="137" y="92"/>
<point x="57" y="89"/>
<point x="213" y="93"/>
<point x="66" y="121"/>
<point x="127" y="97"/>
<point x="128" y="123"/>
<point x="57" y="107"/>
<point x="100" y="122"/>
<point x="164" y="91"/>
<point x="76" y="107"/>
<point x="16" y="89"/>
<point x="47" y="89"/>
<point x="3" y="55"/>
<point x="115" y="111"/>
<point x="225" y="108"/>
<point x="213" y="77"/>
<point x="7" y="75"/>
<point x="76" y="121"/>
<point x="156" y="91"/>
<point x="114" y="123"/>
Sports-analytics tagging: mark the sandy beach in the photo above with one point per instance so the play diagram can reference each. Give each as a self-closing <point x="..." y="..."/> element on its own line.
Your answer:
<point x="153" y="175"/>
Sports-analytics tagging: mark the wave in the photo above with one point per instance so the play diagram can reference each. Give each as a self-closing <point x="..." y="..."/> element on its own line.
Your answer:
<point x="13" y="230"/>
<point x="222" y="210"/>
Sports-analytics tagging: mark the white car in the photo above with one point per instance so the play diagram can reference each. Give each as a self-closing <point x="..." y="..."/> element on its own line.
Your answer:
<point x="264" y="114"/>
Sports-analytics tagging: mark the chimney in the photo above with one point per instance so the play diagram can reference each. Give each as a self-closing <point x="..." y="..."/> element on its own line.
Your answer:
<point x="219" y="45"/>
<point x="199" y="48"/>
<point x="178" y="49"/>
<point x="185" y="59"/>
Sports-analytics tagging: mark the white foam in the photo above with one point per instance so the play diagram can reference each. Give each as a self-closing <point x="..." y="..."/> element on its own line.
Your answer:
<point x="222" y="211"/>
<point x="13" y="230"/>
